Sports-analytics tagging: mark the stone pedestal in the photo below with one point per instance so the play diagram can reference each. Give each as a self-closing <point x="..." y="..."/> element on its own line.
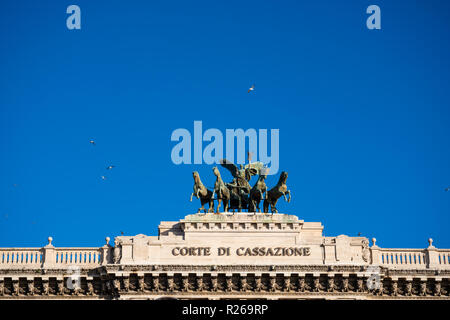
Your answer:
<point x="243" y="239"/>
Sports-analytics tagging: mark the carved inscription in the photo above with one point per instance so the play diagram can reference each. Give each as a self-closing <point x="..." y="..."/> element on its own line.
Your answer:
<point x="242" y="251"/>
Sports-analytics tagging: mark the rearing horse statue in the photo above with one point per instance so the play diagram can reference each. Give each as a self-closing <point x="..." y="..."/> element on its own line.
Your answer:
<point x="202" y="193"/>
<point x="276" y="192"/>
<point x="257" y="194"/>
<point x="223" y="193"/>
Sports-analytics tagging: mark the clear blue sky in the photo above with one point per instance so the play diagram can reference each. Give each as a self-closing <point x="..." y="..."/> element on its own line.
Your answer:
<point x="363" y="114"/>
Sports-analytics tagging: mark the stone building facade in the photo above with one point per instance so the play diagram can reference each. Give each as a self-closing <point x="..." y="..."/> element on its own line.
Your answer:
<point x="227" y="256"/>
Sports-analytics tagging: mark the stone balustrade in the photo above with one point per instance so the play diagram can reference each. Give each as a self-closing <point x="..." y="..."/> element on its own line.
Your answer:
<point x="414" y="258"/>
<point x="78" y="256"/>
<point x="21" y="257"/>
<point x="51" y="257"/>
<point x="443" y="256"/>
<point x="227" y="256"/>
<point x="428" y="258"/>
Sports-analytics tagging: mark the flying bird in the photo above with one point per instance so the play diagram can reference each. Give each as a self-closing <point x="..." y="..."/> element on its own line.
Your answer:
<point x="251" y="88"/>
<point x="447" y="189"/>
<point x="103" y="178"/>
<point x="110" y="167"/>
<point x="92" y="142"/>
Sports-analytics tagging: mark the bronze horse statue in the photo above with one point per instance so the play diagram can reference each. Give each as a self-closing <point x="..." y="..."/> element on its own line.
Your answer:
<point x="223" y="193"/>
<point x="202" y="193"/>
<point x="240" y="187"/>
<point x="239" y="194"/>
<point x="257" y="193"/>
<point x="276" y="192"/>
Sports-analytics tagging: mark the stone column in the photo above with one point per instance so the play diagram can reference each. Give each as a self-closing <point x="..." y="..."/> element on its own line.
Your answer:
<point x="432" y="255"/>
<point x="106" y="252"/>
<point x="329" y="251"/>
<point x="49" y="255"/>
<point x="375" y="253"/>
<point x="125" y="248"/>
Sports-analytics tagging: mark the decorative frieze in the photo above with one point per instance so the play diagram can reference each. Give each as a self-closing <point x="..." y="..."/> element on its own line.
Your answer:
<point x="225" y="255"/>
<point x="223" y="284"/>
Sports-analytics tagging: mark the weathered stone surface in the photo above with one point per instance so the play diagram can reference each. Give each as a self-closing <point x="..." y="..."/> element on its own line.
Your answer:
<point x="241" y="238"/>
<point x="227" y="255"/>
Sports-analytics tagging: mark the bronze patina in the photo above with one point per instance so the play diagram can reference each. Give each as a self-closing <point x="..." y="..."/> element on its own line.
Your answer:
<point x="238" y="194"/>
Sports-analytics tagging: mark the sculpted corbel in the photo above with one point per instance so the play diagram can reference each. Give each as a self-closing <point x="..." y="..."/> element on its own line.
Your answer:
<point x="16" y="288"/>
<point x="437" y="288"/>
<point x="116" y="285"/>
<point x="214" y="284"/>
<point x="365" y="250"/>
<point x="301" y="284"/>
<point x="31" y="288"/>
<point x="394" y="288"/>
<point x="156" y="284"/>
<point x="317" y="285"/>
<point x="126" y="284"/>
<point x="380" y="290"/>
<point x="344" y="285"/>
<point x="244" y="284"/>
<point x="229" y="284"/>
<point x="200" y="285"/>
<point x="273" y="286"/>
<point x="258" y="284"/>
<point x="360" y="285"/>
<point x="76" y="291"/>
<point x="45" y="288"/>
<point x="171" y="284"/>
<point x="330" y="284"/>
<point x="90" y="288"/>
<point x="287" y="284"/>
<point x="117" y="252"/>
<point x="423" y="288"/>
<point x="61" y="289"/>
<point x="186" y="287"/>
<point x="141" y="284"/>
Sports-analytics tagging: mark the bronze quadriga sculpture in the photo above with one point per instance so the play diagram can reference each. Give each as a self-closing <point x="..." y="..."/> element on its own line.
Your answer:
<point x="238" y="194"/>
